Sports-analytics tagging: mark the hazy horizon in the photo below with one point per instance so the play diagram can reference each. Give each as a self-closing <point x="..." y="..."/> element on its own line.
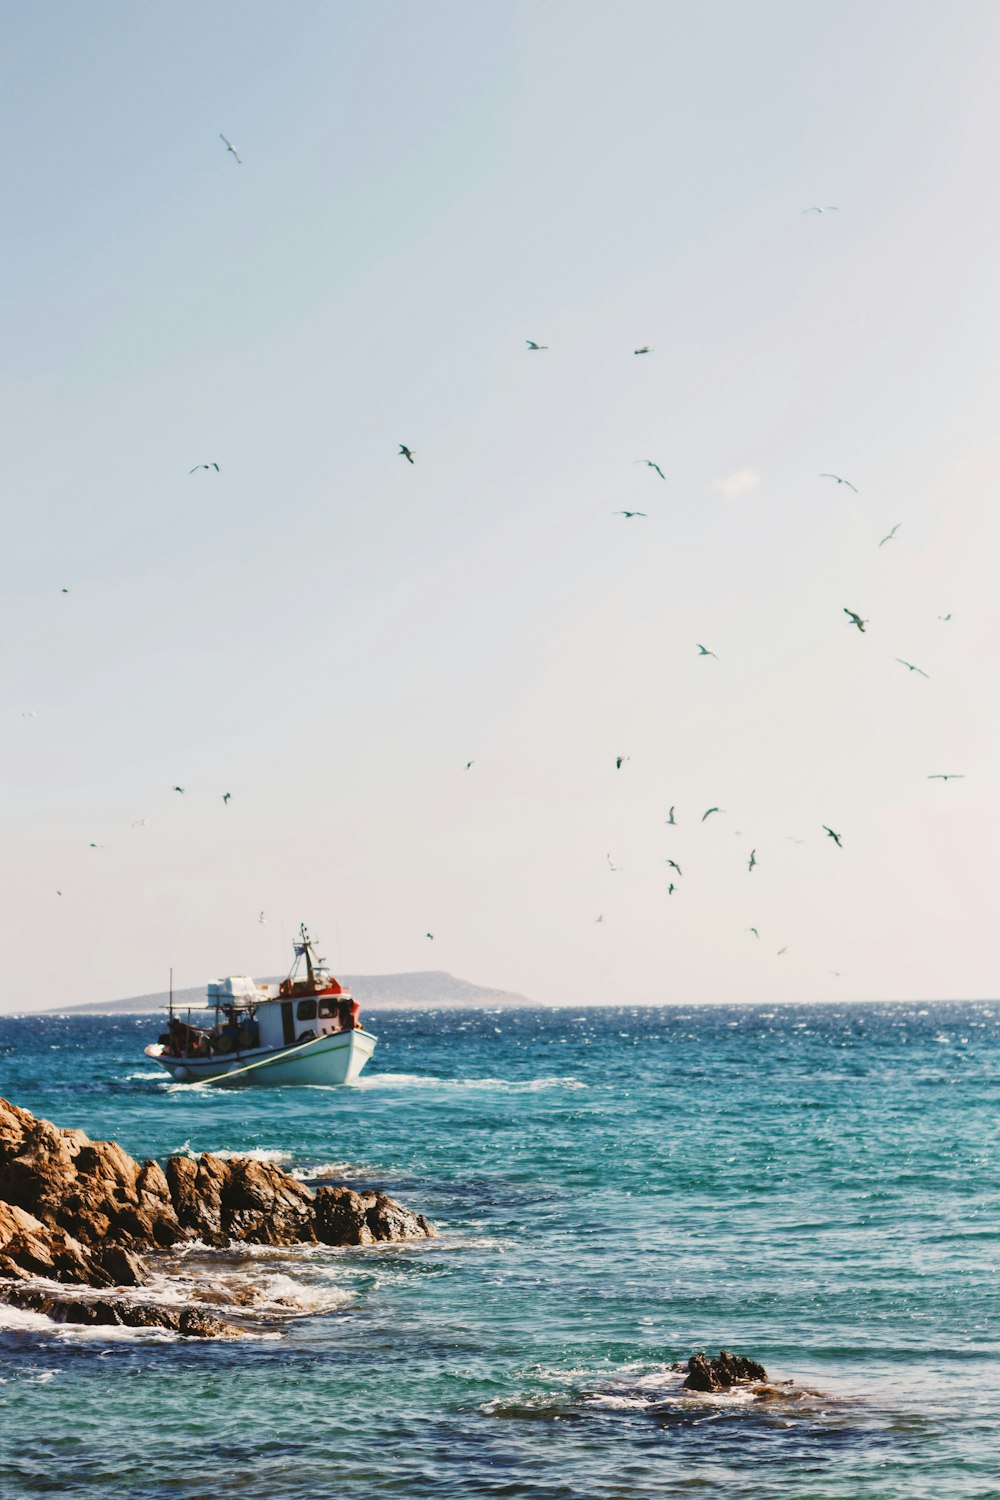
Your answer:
<point x="329" y="633"/>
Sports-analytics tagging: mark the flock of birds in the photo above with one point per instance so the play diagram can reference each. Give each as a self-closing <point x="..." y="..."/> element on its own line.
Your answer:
<point x="854" y="618"/>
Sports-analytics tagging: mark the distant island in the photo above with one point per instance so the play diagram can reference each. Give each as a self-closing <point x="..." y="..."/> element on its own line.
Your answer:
<point x="424" y="989"/>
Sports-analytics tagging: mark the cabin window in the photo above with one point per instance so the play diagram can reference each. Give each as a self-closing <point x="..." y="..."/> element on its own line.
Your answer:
<point x="306" y="1010"/>
<point x="327" y="1008"/>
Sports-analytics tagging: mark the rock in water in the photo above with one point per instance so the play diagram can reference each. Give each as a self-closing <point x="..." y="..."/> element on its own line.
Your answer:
<point x="77" y="1210"/>
<point x="705" y="1374"/>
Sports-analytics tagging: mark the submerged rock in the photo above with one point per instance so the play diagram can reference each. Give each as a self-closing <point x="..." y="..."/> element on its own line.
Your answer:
<point x="105" y="1312"/>
<point x="705" y="1374"/>
<point x="83" y="1211"/>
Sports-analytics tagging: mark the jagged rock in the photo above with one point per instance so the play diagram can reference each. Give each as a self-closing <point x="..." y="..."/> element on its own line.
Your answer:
<point x="190" y="1322"/>
<point x="705" y="1374"/>
<point x="91" y="1189"/>
<point x="77" y="1210"/>
<point x="343" y="1217"/>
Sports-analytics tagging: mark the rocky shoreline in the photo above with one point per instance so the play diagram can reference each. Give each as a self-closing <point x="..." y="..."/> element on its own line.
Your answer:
<point x="85" y="1214"/>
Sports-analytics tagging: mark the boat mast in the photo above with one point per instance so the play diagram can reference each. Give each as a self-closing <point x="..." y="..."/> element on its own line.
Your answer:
<point x="170" y="999"/>
<point x="306" y="949"/>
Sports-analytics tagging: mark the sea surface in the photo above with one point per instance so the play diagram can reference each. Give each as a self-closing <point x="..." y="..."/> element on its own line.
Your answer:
<point x="816" y="1187"/>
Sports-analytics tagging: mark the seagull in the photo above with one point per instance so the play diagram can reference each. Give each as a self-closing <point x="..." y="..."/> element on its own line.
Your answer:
<point x="910" y="667"/>
<point x="139" y="823"/>
<point x="650" y="465"/>
<point x="600" y="918"/>
<point x="704" y="651"/>
<point x="644" y="350"/>
<point x="672" y="821"/>
<point x="204" y="466"/>
<point x="535" y="348"/>
<point x="944" y="617"/>
<point x="674" y="866"/>
<point x="834" y="836"/>
<point x="179" y="789"/>
<point x="628" y="514"/>
<point x="64" y="591"/>
<point x="856" y="619"/>
<point x="404" y="450"/>
<point x="611" y="864"/>
<point x="429" y="935"/>
<point x="230" y="147"/>
<point x="753" y="859"/>
<point x="892" y="533"/>
<point x="30" y="713"/>
<point x="620" y="761"/>
<point x="670" y="889"/>
<point x="831" y="208"/>
<point x="754" y="931"/>
<point x="469" y="764"/>
<point x="952" y="776"/>
<point x="781" y="951"/>
<point x="58" y="893"/>
<point x="98" y="846"/>
<point x="262" y="920"/>
<point x="837" y="477"/>
<point x="225" y="797"/>
<point x="710" y="811"/>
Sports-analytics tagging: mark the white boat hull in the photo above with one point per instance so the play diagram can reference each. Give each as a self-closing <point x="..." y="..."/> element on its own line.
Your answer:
<point x="336" y="1058"/>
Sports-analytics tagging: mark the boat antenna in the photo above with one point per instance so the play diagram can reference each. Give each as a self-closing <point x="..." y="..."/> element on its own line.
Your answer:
<point x="170" y="998"/>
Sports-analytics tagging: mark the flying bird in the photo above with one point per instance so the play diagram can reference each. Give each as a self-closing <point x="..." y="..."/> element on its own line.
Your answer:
<point x="672" y="821"/>
<point x="674" y="866"/>
<point x="670" y="889"/>
<point x="620" y="761"/>
<point x="644" y="350"/>
<point x="139" y="823"/>
<point x="911" y="668"/>
<point x="469" y="764"/>
<point x="405" y="451"/>
<point x="952" y="776"/>
<point x="892" y="533"/>
<point x="754" y="931"/>
<point x="225" y="797"/>
<point x="944" y="617"/>
<point x="600" y="918"/>
<point x="30" y="713"/>
<point x="180" y="789"/>
<point x="711" y="810"/>
<point x="781" y="951"/>
<point x="535" y="348"/>
<point x="98" y="846"/>
<point x="429" y="935"/>
<point x="831" y="208"/>
<point x="837" y="477"/>
<point x="628" y="514"/>
<point x="262" y="920"/>
<point x="64" y="591"/>
<point x="204" y="466"/>
<point x="230" y="147"/>
<point x="753" y="859"/>
<point x="704" y="651"/>
<point x="611" y="864"/>
<point x="834" y="836"/>
<point x="650" y="465"/>
<point x="856" y="619"/>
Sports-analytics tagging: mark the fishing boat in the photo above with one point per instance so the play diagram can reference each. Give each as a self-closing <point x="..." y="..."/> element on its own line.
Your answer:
<point x="304" y="1030"/>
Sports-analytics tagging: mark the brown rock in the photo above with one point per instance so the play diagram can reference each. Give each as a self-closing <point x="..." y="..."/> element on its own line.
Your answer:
<point x="190" y="1322"/>
<point x="343" y="1217"/>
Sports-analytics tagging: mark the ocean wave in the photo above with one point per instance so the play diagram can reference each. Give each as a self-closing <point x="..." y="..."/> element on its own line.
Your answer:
<point x="254" y="1153"/>
<point x="503" y="1085"/>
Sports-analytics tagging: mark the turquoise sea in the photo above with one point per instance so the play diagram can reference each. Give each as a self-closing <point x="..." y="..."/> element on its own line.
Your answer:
<point x="615" y="1188"/>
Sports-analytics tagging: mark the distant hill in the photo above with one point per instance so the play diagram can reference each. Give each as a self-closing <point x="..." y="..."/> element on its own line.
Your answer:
<point x="377" y="991"/>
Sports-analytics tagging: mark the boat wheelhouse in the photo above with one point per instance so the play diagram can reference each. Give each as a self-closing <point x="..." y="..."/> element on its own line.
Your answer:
<point x="305" y="1030"/>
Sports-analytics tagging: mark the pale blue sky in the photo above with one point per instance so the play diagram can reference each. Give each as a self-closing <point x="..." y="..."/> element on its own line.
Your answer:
<point x="330" y="634"/>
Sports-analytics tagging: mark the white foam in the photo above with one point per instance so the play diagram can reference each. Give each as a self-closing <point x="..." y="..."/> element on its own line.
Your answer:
<point x="429" y="1081"/>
